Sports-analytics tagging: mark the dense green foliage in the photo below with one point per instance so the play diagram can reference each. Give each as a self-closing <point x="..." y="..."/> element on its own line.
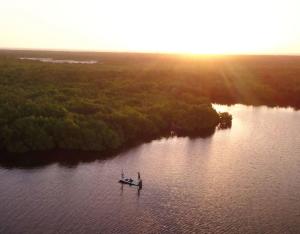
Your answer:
<point x="127" y="98"/>
<point x="91" y="107"/>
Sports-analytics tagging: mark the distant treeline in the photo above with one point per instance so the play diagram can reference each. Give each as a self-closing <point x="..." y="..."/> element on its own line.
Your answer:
<point x="128" y="98"/>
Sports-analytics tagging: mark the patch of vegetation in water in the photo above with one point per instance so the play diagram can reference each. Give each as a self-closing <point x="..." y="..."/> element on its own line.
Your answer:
<point x="225" y="120"/>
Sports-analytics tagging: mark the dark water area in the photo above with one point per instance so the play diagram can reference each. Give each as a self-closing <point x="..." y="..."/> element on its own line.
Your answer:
<point x="245" y="179"/>
<point x="71" y="158"/>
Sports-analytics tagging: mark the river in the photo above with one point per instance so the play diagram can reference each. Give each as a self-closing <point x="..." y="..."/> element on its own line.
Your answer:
<point x="245" y="179"/>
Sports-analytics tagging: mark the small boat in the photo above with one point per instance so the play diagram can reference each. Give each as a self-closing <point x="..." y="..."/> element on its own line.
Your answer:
<point x="130" y="181"/>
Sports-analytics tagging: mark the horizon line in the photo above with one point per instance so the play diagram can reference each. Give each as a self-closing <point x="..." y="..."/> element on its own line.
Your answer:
<point x="144" y="52"/>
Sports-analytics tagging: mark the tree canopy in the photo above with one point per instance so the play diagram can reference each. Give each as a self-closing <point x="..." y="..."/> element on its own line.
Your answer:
<point x="127" y="98"/>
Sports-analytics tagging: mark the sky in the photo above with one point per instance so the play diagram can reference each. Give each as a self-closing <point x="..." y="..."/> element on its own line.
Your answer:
<point x="176" y="26"/>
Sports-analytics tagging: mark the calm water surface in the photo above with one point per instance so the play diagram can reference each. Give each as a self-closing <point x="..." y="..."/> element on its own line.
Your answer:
<point x="242" y="180"/>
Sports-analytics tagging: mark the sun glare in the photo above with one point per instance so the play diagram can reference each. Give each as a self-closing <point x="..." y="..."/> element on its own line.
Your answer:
<point x="206" y="27"/>
<point x="216" y="26"/>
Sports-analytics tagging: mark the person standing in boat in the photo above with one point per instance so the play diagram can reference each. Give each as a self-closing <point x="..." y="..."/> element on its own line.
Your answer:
<point x="140" y="183"/>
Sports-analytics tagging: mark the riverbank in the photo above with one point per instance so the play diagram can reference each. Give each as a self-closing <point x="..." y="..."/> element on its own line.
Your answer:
<point x="71" y="158"/>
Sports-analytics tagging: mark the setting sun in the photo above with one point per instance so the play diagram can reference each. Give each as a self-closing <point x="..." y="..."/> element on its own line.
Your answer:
<point x="221" y="27"/>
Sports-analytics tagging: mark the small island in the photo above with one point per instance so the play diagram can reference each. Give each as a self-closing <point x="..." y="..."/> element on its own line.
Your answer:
<point x="225" y="120"/>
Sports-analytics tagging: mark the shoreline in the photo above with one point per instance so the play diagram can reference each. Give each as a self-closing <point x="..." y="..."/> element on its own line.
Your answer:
<point x="71" y="158"/>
